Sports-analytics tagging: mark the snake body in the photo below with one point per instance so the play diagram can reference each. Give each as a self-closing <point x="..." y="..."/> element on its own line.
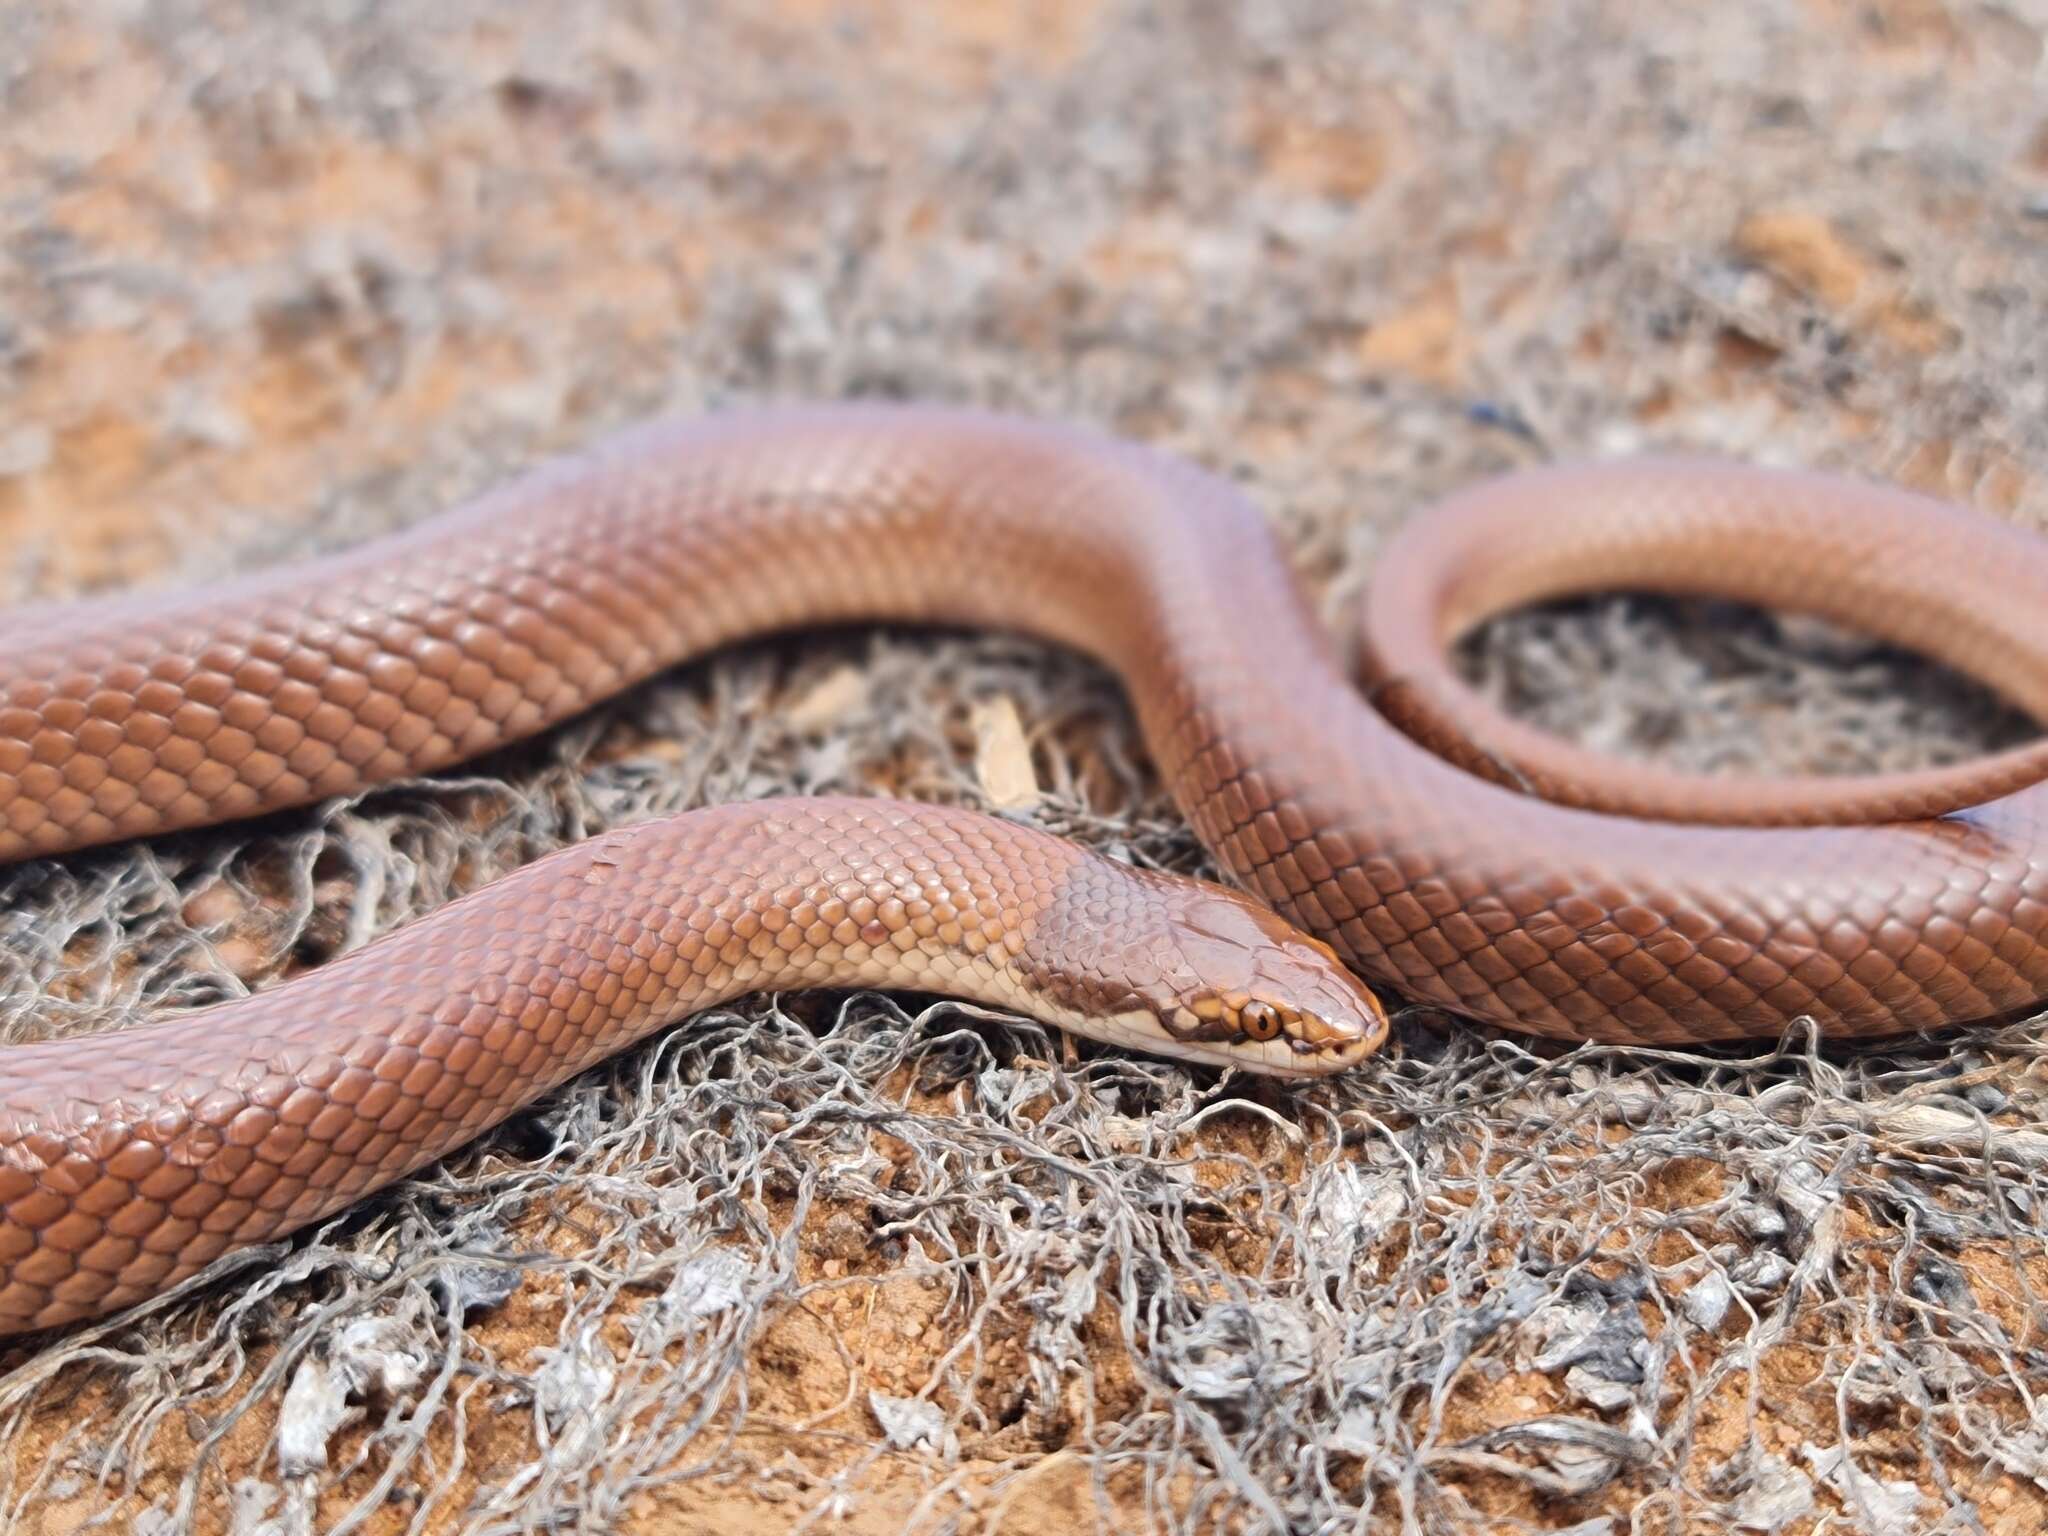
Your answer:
<point x="127" y="1163"/>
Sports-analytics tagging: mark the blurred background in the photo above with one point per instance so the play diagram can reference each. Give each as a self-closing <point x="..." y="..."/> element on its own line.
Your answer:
<point x="259" y="257"/>
<point x="275" y="277"/>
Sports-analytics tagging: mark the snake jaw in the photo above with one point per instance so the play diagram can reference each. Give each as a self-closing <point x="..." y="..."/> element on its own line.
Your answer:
<point x="1290" y="1057"/>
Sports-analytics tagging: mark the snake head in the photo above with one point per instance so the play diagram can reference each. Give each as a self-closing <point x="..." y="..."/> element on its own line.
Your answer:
<point x="1256" y="992"/>
<point x="1177" y="967"/>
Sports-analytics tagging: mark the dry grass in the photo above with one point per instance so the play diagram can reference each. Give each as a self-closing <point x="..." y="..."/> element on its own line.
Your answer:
<point x="278" y="277"/>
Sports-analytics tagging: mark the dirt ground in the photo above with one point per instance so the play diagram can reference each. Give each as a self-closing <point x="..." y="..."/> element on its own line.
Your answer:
<point x="276" y="277"/>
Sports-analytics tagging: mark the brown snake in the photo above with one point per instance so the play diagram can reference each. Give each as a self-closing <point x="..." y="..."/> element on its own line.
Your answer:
<point x="129" y="1161"/>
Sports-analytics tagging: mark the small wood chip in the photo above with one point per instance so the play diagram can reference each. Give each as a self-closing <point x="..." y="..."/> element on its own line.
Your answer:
<point x="1002" y="757"/>
<point x="828" y="701"/>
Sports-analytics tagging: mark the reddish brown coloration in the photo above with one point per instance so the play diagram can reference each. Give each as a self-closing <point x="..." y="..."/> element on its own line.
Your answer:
<point x="130" y="1161"/>
<point x="1924" y="575"/>
<point x="127" y="1163"/>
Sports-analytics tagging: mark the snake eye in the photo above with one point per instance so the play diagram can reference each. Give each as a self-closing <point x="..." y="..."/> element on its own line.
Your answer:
<point x="1259" y="1020"/>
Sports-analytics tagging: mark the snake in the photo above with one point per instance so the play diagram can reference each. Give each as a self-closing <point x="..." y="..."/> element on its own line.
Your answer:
<point x="1381" y="826"/>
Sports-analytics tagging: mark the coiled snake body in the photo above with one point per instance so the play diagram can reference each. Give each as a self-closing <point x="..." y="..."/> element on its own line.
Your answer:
<point x="128" y="1162"/>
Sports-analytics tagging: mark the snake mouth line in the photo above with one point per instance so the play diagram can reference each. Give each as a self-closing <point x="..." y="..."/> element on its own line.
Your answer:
<point x="1268" y="1058"/>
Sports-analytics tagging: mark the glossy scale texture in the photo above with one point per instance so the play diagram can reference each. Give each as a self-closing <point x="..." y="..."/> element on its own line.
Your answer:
<point x="128" y="1162"/>
<point x="139" y="715"/>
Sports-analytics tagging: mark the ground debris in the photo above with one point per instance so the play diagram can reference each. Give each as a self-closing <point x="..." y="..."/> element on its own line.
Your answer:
<point x="279" y="277"/>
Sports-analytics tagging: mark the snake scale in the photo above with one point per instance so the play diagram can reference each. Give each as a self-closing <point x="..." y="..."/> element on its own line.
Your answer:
<point x="1399" y="843"/>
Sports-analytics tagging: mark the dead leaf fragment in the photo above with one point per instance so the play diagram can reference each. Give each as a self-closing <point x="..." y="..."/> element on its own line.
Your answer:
<point x="1002" y="755"/>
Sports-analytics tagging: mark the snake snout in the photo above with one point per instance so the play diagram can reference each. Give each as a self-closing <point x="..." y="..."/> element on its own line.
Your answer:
<point x="1279" y="1000"/>
<point x="1338" y="1022"/>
